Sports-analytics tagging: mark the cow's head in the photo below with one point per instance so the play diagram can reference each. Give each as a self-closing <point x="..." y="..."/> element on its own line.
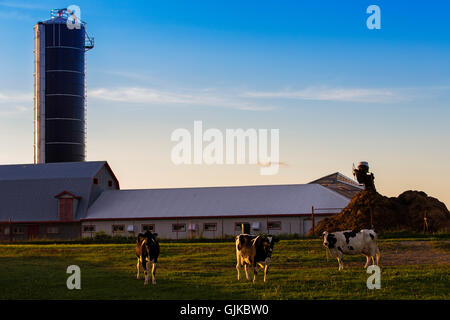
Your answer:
<point x="267" y="243"/>
<point x="146" y="239"/>
<point x="329" y="239"/>
<point x="151" y="237"/>
<point x="324" y="238"/>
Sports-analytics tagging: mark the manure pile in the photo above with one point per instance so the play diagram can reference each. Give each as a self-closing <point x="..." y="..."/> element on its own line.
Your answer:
<point x="403" y="213"/>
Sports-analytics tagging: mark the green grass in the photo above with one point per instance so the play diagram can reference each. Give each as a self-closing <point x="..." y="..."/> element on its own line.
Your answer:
<point x="299" y="270"/>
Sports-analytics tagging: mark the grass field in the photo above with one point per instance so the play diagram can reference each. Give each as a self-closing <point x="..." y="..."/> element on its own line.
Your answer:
<point x="410" y="269"/>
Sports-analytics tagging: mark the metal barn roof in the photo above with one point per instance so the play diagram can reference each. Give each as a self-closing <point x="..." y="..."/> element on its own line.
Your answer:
<point x="340" y="183"/>
<point x="27" y="192"/>
<point x="50" y="170"/>
<point x="216" y="202"/>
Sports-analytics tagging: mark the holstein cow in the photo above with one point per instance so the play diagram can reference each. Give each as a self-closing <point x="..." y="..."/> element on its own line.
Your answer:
<point x="352" y="242"/>
<point x="147" y="252"/>
<point x="254" y="251"/>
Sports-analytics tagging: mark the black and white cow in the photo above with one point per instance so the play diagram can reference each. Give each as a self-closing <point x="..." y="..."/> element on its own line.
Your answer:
<point x="254" y="251"/>
<point x="352" y="242"/>
<point x="147" y="252"/>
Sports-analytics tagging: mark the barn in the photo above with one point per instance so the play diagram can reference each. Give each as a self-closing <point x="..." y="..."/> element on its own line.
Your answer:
<point x="48" y="201"/>
<point x="213" y="212"/>
<point x="79" y="199"/>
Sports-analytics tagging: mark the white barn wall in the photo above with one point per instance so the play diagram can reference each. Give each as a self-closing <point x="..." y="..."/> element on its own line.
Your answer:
<point x="224" y="226"/>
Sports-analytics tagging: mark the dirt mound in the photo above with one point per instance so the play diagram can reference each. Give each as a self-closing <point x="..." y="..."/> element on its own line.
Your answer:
<point x="406" y="213"/>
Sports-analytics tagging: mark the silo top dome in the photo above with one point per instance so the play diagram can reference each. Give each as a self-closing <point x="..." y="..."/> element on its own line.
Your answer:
<point x="60" y="20"/>
<point x="59" y="16"/>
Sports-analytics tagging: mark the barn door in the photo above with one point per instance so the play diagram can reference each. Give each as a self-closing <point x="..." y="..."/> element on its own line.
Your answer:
<point x="307" y="225"/>
<point x="33" y="232"/>
<point x="245" y="228"/>
<point x="66" y="209"/>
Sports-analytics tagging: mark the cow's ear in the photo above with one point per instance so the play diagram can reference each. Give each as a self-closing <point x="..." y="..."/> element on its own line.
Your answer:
<point x="155" y="234"/>
<point x="275" y="239"/>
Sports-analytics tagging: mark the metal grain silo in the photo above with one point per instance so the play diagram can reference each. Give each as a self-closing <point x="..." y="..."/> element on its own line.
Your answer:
<point x="60" y="100"/>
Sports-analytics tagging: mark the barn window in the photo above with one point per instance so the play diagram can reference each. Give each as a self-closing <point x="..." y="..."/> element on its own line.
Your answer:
<point x="18" y="230"/>
<point x="110" y="183"/>
<point x="178" y="227"/>
<point x="148" y="227"/>
<point x="95" y="181"/>
<point x="118" y="228"/>
<point x="256" y="225"/>
<point x="238" y="226"/>
<point x="242" y="227"/>
<point x="52" y="230"/>
<point x="274" y="225"/>
<point x="193" y="227"/>
<point x="89" y="228"/>
<point x="209" y="226"/>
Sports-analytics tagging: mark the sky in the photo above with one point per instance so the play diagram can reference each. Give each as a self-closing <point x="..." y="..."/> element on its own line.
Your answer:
<point x="338" y="92"/>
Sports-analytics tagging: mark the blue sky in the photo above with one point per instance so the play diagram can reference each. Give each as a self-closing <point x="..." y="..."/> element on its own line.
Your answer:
<point x="338" y="92"/>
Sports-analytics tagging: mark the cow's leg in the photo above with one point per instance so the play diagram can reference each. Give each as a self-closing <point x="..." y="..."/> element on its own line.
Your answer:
<point x="138" y="267"/>
<point x="367" y="261"/>
<point x="146" y="265"/>
<point x="246" y="271"/>
<point x="238" y="267"/>
<point x="255" y="272"/>
<point x="154" y="273"/>
<point x="266" y="270"/>
<point x="375" y="254"/>
<point x="340" y="261"/>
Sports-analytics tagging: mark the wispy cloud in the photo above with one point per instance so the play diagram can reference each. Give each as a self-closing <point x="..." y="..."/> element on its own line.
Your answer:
<point x="333" y="94"/>
<point x="21" y="5"/>
<point x="22" y="11"/>
<point x="16" y="97"/>
<point x="14" y="110"/>
<point x="15" y="15"/>
<point x="15" y="103"/>
<point x="155" y="96"/>
<point x="130" y="75"/>
<point x="270" y="163"/>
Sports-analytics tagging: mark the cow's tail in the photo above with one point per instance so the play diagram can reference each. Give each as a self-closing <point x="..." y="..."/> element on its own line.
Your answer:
<point x="374" y="234"/>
